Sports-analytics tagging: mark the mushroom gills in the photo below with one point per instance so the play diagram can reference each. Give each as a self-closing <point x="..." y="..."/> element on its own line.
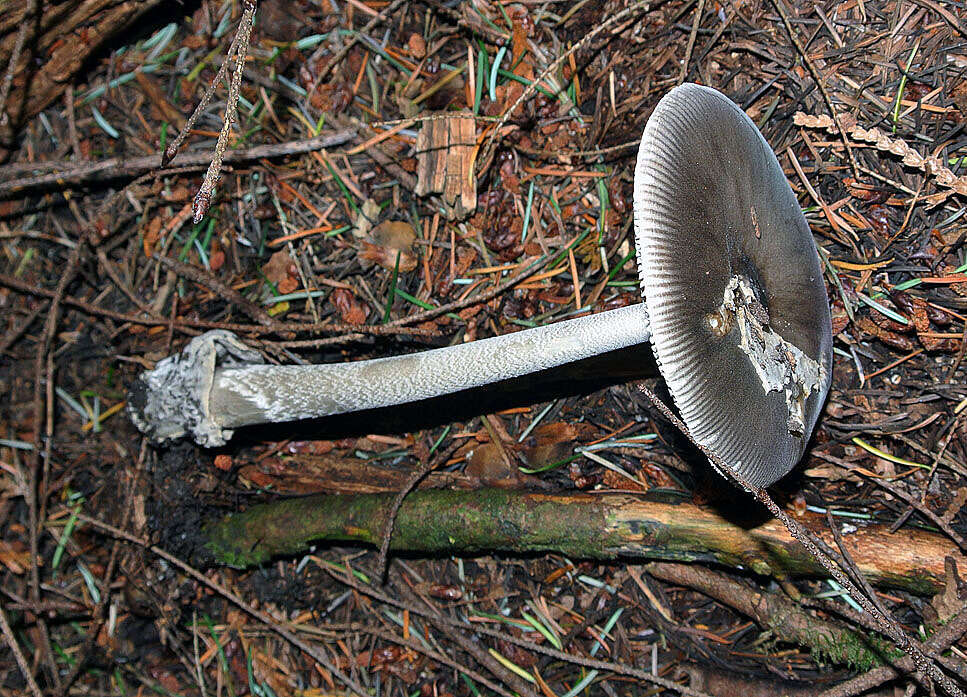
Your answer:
<point x="780" y="364"/>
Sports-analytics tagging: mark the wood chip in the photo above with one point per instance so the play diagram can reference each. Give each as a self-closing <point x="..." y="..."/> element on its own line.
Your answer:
<point x="444" y="164"/>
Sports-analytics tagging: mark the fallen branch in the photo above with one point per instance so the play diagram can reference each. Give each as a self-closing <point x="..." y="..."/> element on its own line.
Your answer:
<point x="66" y="35"/>
<point x="594" y="526"/>
<point x="75" y="175"/>
<point x="789" y="622"/>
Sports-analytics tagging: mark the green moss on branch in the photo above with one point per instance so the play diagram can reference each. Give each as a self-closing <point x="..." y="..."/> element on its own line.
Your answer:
<point x="591" y="526"/>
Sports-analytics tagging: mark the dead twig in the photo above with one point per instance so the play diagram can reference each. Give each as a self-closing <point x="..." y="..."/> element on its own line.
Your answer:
<point x="238" y="49"/>
<point x="383" y="15"/>
<point x="70" y="175"/>
<point x="774" y="612"/>
<point x="18" y="655"/>
<point x="225" y="292"/>
<point x="529" y="90"/>
<point x="253" y="329"/>
<point x="424" y="469"/>
<point x="18" y="47"/>
<point x="36" y="494"/>
<point x="590" y="663"/>
<point x="266" y="619"/>
<point x="947" y="635"/>
<point x="817" y="78"/>
<point x="887" y="624"/>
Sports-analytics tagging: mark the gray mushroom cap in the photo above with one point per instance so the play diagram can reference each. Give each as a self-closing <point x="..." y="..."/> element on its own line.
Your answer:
<point x="732" y="282"/>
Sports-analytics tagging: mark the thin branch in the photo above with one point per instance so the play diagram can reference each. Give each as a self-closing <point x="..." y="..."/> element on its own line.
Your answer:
<point x="262" y="617"/>
<point x="887" y="624"/>
<point x="18" y="655"/>
<point x="5" y="87"/>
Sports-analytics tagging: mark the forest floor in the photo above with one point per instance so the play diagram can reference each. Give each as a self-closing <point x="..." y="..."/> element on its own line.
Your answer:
<point x="359" y="247"/>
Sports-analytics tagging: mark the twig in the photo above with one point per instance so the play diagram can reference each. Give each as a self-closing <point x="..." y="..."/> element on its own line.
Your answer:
<point x="886" y="623"/>
<point x="18" y="46"/>
<point x="593" y="664"/>
<point x="81" y="659"/>
<point x="472" y="300"/>
<point x="424" y="469"/>
<point x="18" y="655"/>
<point x="945" y="636"/>
<point x="691" y="40"/>
<point x="262" y="617"/>
<point x="253" y="329"/>
<point x="225" y="292"/>
<point x="912" y="501"/>
<point x="818" y="80"/>
<point x="772" y="611"/>
<point x="203" y="197"/>
<point x="169" y="154"/>
<point x="43" y="431"/>
<point x="529" y="90"/>
<point x="67" y="175"/>
<point x="420" y="648"/>
<point x="341" y="53"/>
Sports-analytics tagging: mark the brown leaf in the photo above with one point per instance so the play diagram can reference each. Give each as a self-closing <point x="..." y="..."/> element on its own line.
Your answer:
<point x="552" y="442"/>
<point x="332" y="97"/>
<point x="840" y="319"/>
<point x="487" y="464"/>
<point x="15" y="556"/>
<point x="278" y="269"/>
<point x="950" y="601"/>
<point x="613" y="480"/>
<point x="350" y="309"/>
<point x="897" y="341"/>
<point x="151" y="235"/>
<point x="960" y="498"/>
<point x="216" y="259"/>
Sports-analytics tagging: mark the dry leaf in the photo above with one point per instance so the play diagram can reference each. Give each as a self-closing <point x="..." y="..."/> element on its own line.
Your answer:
<point x="350" y="309"/>
<point x="417" y="46"/>
<point x="950" y="600"/>
<point x="151" y="235"/>
<point x="281" y="272"/>
<point x="366" y="217"/>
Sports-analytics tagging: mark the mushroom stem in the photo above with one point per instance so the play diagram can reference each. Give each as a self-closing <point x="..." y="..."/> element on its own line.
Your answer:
<point x="243" y="392"/>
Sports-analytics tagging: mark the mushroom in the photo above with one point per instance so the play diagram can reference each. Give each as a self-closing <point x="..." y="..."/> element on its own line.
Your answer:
<point x="734" y="306"/>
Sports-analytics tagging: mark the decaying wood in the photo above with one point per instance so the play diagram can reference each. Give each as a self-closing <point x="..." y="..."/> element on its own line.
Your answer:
<point x="773" y="611"/>
<point x="594" y="526"/>
<point x="329" y="474"/>
<point x="445" y="163"/>
<point x="64" y="35"/>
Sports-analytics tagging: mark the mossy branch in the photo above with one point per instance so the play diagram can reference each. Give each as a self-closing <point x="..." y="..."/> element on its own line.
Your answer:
<point x="592" y="526"/>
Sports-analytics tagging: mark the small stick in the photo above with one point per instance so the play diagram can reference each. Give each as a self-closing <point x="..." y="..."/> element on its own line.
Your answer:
<point x="341" y="53"/>
<point x="203" y="198"/>
<point x="263" y="617"/>
<point x="427" y="467"/>
<point x="18" y="654"/>
<point x="25" y="23"/>
<point x="66" y="174"/>
<point x="887" y="624"/>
